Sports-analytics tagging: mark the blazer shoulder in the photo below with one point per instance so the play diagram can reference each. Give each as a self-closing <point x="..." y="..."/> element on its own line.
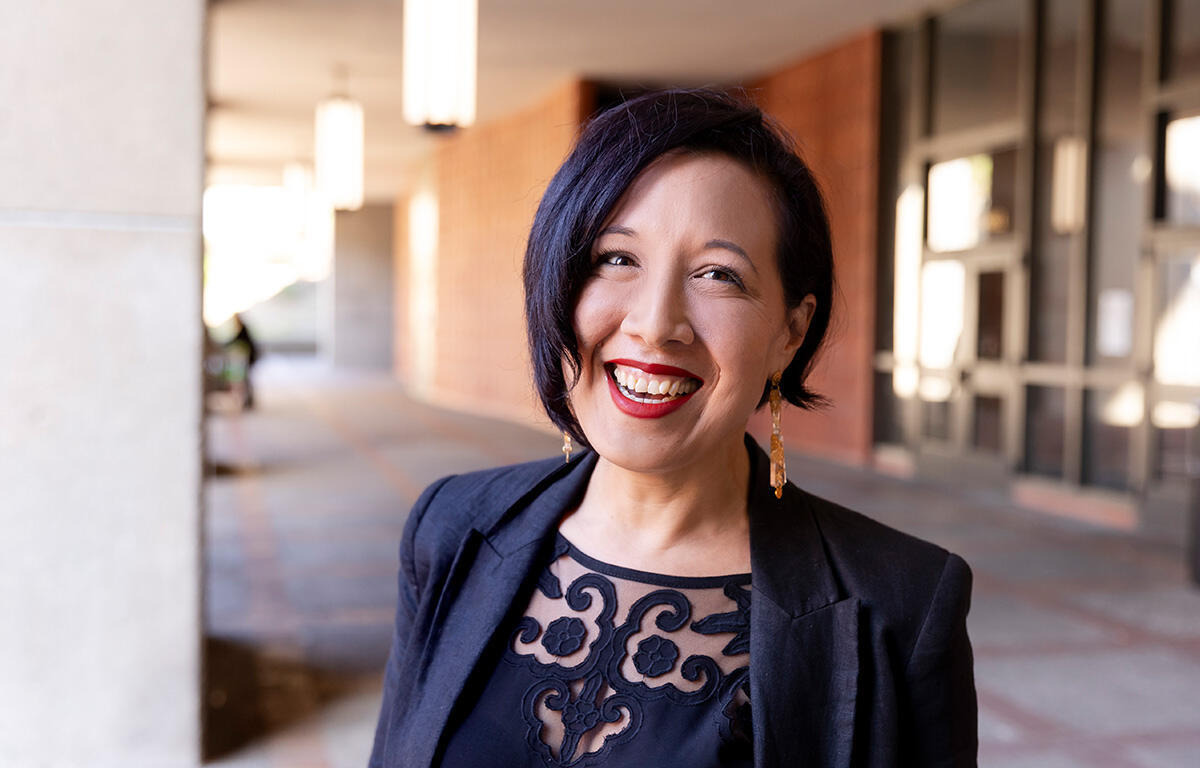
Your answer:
<point x="453" y="504"/>
<point x="897" y="575"/>
<point x="842" y="526"/>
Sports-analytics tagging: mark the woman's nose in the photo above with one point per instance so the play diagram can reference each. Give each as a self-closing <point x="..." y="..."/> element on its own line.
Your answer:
<point x="659" y="315"/>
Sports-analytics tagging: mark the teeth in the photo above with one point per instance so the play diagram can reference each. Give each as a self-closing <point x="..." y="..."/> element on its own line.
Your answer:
<point x="636" y="381"/>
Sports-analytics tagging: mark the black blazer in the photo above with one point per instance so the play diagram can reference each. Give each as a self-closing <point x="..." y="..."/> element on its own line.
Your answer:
<point x="859" y="654"/>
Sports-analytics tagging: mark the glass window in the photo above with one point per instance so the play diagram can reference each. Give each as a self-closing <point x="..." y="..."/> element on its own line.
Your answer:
<point x="1177" y="437"/>
<point x="1109" y="416"/>
<point x="1045" y="408"/>
<point x="1182" y="154"/>
<point x="1060" y="182"/>
<point x="1048" y="306"/>
<point x="942" y="289"/>
<point x="976" y="57"/>
<point x="990" y="344"/>
<point x="1121" y="173"/>
<point x="989" y="424"/>
<point x="1183" y="39"/>
<point x="1177" y="326"/>
<point x="971" y="199"/>
<point x="935" y="419"/>
<point x="936" y="411"/>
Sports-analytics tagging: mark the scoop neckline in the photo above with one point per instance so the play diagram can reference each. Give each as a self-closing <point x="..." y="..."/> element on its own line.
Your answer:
<point x="647" y="577"/>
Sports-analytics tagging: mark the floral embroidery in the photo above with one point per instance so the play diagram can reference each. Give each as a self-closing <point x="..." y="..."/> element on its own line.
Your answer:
<point x="564" y="636"/>
<point x="737" y="620"/>
<point x="580" y="716"/>
<point x="694" y="668"/>
<point x="734" y="722"/>
<point x="595" y="704"/>
<point x="656" y="656"/>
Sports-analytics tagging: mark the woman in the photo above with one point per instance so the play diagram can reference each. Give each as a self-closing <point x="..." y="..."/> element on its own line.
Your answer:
<point x="666" y="598"/>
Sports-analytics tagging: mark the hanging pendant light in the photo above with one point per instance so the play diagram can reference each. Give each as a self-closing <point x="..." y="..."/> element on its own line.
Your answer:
<point x="439" y="62"/>
<point x="339" y="151"/>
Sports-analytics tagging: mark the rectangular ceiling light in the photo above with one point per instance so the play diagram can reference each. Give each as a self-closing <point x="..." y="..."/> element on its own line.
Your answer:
<point x="440" y="39"/>
<point x="339" y="152"/>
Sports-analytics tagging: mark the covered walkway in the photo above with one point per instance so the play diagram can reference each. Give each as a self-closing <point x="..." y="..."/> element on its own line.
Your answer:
<point x="1087" y="643"/>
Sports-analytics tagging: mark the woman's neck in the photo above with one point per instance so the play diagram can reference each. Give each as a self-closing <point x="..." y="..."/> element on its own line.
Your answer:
<point x="689" y="510"/>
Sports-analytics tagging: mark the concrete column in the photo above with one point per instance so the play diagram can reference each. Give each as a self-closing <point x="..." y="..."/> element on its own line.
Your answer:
<point x="358" y="313"/>
<point x="101" y="168"/>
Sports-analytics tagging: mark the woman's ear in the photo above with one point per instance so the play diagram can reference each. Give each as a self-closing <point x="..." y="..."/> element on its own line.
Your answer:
<point x="792" y="336"/>
<point x="798" y="319"/>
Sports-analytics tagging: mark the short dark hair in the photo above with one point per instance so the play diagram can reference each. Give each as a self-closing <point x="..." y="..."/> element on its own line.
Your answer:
<point x="612" y="149"/>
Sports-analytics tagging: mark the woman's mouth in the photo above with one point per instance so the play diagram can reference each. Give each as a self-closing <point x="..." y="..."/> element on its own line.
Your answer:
<point x="647" y="390"/>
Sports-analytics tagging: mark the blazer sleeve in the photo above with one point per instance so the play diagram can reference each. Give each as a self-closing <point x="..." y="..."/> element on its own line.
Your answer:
<point x="409" y="595"/>
<point x="943" y="729"/>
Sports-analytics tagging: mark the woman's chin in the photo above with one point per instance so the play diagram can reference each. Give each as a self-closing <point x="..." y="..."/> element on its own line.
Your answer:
<point x="637" y="452"/>
<point x="653" y="454"/>
<point x="642" y="464"/>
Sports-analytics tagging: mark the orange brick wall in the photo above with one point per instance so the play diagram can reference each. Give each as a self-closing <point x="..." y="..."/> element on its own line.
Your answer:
<point x="489" y="181"/>
<point x="830" y="103"/>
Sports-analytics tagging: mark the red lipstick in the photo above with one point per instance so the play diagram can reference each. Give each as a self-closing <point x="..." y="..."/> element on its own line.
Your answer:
<point x="648" y="410"/>
<point x="666" y="370"/>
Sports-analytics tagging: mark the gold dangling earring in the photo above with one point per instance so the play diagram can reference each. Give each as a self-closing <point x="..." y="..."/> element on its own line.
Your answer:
<point x="778" y="466"/>
<point x="566" y="449"/>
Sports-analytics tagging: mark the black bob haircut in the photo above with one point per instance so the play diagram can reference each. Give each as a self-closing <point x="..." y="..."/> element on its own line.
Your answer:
<point x="612" y="149"/>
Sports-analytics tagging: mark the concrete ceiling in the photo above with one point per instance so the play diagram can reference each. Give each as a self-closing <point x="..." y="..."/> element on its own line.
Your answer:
<point x="270" y="61"/>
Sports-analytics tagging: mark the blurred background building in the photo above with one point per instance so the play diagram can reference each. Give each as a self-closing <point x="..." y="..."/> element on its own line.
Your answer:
<point x="1014" y="188"/>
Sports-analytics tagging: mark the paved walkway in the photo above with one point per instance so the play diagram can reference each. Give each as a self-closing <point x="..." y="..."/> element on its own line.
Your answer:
<point x="1087" y="643"/>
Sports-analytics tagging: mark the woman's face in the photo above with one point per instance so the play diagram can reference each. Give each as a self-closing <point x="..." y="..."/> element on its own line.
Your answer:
<point x="682" y="320"/>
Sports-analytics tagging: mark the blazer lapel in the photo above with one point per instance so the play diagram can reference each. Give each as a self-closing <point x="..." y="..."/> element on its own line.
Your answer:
<point x="495" y="561"/>
<point x="804" y="638"/>
<point x="803" y="684"/>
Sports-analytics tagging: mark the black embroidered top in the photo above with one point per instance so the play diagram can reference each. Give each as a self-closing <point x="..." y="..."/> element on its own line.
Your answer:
<point x="614" y="667"/>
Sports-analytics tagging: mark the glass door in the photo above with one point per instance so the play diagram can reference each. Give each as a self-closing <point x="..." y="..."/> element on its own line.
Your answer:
<point x="966" y="348"/>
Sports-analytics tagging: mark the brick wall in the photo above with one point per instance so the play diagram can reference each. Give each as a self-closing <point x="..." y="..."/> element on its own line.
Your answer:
<point x="830" y="103"/>
<point x="489" y="180"/>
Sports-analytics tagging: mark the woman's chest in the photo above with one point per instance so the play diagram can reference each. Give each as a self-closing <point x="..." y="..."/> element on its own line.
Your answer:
<point x="609" y="666"/>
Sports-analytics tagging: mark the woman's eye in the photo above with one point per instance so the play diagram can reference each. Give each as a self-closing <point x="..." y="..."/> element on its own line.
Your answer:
<point x="720" y="275"/>
<point x="615" y="258"/>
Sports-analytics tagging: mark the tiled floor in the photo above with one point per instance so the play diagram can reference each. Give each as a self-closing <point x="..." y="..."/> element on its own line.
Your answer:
<point x="1087" y="643"/>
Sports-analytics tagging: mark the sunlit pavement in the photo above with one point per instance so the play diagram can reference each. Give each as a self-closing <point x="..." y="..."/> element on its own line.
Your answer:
<point x="1087" y="643"/>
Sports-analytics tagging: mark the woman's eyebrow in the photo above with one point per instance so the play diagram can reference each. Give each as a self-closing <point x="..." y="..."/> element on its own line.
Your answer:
<point x="732" y="247"/>
<point x="616" y="229"/>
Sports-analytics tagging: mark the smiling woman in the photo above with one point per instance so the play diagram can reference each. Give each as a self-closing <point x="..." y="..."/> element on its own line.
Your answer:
<point x="679" y="276"/>
<point x="684" y="277"/>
